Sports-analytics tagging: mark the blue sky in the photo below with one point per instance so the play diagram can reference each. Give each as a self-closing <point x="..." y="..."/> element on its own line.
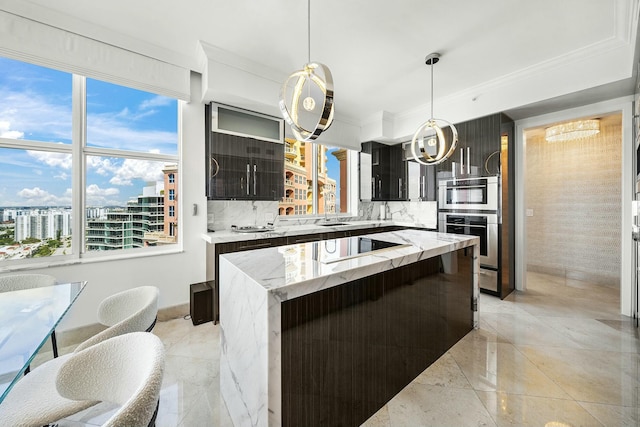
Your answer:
<point x="35" y="104"/>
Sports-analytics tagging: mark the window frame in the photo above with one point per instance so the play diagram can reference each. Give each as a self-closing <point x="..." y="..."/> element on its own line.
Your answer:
<point x="300" y="212"/>
<point x="350" y="185"/>
<point x="86" y="151"/>
<point x="80" y="151"/>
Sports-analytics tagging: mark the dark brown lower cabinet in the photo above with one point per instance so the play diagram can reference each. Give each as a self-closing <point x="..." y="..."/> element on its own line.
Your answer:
<point x="347" y="350"/>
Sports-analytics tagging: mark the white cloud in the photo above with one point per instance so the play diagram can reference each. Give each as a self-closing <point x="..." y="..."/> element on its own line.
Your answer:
<point x="29" y="113"/>
<point x="52" y="159"/>
<point x="102" y="165"/>
<point x="30" y="193"/>
<point x="6" y="132"/>
<point x="131" y="169"/>
<point x="32" y="115"/>
<point x="97" y="196"/>
<point x="62" y="175"/>
<point x="94" y="190"/>
<point x="111" y="131"/>
<point x="157" y="101"/>
<point x="38" y="197"/>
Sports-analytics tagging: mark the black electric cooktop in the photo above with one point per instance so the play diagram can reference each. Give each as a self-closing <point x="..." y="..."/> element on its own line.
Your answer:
<point x="341" y="249"/>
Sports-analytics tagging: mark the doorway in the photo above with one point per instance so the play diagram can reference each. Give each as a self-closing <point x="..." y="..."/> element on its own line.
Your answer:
<point x="573" y="198"/>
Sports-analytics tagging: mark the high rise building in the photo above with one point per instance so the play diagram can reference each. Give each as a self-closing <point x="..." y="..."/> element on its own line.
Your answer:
<point x="150" y="220"/>
<point x="128" y="228"/>
<point x="298" y="180"/>
<point x="171" y="201"/>
<point x="42" y="224"/>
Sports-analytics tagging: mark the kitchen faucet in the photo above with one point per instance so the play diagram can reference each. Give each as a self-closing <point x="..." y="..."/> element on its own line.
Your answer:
<point x="324" y="199"/>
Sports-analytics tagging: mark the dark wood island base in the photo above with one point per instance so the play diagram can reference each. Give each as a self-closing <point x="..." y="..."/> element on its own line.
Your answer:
<point x="326" y="333"/>
<point x="347" y="350"/>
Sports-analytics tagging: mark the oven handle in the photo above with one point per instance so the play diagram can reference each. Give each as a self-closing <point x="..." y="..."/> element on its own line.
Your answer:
<point x="466" y="186"/>
<point x="465" y="225"/>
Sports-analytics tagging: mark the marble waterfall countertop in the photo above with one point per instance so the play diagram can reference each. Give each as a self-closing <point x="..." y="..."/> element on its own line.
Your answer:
<point x="292" y="228"/>
<point x="299" y="269"/>
<point x="255" y="283"/>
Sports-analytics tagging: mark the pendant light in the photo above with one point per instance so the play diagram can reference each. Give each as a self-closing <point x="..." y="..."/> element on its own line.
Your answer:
<point x="572" y="130"/>
<point x="429" y="143"/>
<point x="306" y="97"/>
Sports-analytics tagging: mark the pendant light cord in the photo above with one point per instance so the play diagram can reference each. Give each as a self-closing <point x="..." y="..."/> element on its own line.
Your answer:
<point x="431" y="66"/>
<point x="309" y="31"/>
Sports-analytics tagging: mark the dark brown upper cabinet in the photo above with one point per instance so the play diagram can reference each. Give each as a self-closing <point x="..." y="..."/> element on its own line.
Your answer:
<point x="480" y="142"/>
<point x="388" y="178"/>
<point x="242" y="168"/>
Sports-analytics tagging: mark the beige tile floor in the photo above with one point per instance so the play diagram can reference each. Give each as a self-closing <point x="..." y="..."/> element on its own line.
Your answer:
<point x="558" y="355"/>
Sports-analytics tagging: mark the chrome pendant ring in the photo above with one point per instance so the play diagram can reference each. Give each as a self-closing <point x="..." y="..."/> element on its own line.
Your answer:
<point x="304" y="79"/>
<point x="429" y="144"/>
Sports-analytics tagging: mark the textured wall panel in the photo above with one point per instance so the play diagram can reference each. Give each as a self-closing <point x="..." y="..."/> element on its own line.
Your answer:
<point x="574" y="190"/>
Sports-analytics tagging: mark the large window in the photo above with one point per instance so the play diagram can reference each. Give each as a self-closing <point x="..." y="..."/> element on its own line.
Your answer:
<point x="316" y="179"/>
<point x="60" y="132"/>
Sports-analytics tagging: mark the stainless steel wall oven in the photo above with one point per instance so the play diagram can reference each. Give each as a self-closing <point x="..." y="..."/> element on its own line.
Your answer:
<point x="471" y="206"/>
<point x="479" y="193"/>
<point x="485" y="226"/>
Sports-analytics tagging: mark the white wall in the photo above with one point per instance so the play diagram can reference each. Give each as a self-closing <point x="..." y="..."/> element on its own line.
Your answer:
<point x="171" y="273"/>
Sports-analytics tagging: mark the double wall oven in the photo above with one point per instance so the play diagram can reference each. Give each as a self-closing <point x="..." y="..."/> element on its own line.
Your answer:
<point x="471" y="206"/>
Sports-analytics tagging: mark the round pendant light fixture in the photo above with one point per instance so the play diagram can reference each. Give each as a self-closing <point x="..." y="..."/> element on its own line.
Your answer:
<point x="436" y="139"/>
<point x="306" y="97"/>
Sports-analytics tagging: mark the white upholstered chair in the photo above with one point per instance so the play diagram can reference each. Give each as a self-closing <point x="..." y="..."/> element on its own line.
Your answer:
<point x="126" y="370"/>
<point x="18" y="282"/>
<point x="133" y="310"/>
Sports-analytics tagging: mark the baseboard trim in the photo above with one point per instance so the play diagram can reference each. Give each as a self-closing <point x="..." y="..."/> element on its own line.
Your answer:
<point x="597" y="279"/>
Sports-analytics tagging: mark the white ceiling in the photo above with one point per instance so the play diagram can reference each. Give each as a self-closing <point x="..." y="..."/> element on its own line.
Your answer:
<point x="520" y="56"/>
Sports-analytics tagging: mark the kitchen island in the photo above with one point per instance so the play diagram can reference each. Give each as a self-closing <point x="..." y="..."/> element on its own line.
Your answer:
<point x="325" y="333"/>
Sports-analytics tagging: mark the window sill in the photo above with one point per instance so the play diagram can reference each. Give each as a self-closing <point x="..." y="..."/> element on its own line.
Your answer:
<point x="87" y="259"/>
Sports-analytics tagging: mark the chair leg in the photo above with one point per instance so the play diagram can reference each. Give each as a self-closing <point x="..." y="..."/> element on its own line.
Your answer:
<point x="152" y="422"/>
<point x="54" y="343"/>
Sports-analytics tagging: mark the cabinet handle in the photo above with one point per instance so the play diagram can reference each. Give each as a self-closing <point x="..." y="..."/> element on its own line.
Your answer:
<point x="213" y="161"/>
<point x="399" y="188"/>
<point x="248" y="177"/>
<point x="256" y="246"/>
<point x="468" y="160"/>
<point x="423" y="186"/>
<point x="379" y="187"/>
<point x="373" y="187"/>
<point x="255" y="173"/>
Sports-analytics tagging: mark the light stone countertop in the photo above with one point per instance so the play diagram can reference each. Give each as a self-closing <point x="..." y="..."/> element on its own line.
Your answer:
<point x="299" y="269"/>
<point x="293" y="229"/>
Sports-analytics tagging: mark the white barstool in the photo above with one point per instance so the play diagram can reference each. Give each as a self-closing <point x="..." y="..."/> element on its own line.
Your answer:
<point x="34" y="399"/>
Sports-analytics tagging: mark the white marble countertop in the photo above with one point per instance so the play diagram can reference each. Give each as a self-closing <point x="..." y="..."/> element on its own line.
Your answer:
<point x="294" y="270"/>
<point x="292" y="229"/>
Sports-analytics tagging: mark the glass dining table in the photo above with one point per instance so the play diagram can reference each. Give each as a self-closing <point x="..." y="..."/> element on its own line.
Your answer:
<point x="27" y="318"/>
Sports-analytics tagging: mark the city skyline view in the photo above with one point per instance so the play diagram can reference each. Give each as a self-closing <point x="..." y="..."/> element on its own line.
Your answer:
<point x="37" y="107"/>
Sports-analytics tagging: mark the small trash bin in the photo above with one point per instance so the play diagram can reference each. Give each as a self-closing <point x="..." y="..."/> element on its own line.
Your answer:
<point x="201" y="303"/>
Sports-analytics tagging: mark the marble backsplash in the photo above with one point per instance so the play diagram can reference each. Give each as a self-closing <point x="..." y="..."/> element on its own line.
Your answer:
<point x="222" y="214"/>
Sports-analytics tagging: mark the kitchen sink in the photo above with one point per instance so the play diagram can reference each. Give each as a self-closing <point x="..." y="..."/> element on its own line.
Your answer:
<point x="251" y="229"/>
